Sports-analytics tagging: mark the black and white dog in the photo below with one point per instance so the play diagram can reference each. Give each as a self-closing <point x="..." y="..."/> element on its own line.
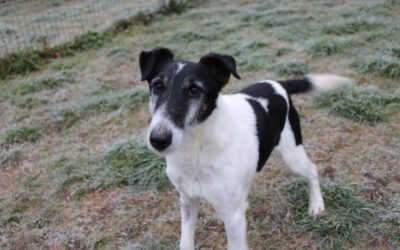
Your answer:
<point x="214" y="144"/>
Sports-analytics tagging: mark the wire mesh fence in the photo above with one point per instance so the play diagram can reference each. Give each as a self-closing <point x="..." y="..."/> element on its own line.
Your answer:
<point x="34" y="24"/>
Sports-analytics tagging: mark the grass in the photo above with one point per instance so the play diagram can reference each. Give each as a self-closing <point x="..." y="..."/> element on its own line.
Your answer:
<point x="125" y="163"/>
<point x="29" y="102"/>
<point x="326" y="47"/>
<point x="88" y="180"/>
<point x="130" y="101"/>
<point x="384" y="66"/>
<point x="22" y="134"/>
<point x="347" y="213"/>
<point x="292" y="68"/>
<point x="36" y="86"/>
<point x="20" y="63"/>
<point x="133" y="164"/>
<point x="11" y="157"/>
<point x="351" y="26"/>
<point x="366" y="104"/>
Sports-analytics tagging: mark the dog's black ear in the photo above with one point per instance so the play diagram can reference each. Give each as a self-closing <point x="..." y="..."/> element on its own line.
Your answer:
<point x="221" y="66"/>
<point x="151" y="61"/>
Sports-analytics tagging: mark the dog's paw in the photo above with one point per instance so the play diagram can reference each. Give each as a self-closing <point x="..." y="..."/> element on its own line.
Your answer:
<point x="316" y="208"/>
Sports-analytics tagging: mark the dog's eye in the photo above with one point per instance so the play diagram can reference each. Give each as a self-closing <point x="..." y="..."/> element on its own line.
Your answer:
<point x="194" y="91"/>
<point x="158" y="87"/>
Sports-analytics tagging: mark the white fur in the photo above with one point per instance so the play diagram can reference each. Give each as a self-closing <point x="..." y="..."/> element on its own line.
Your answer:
<point x="216" y="160"/>
<point x="180" y="67"/>
<point x="327" y="82"/>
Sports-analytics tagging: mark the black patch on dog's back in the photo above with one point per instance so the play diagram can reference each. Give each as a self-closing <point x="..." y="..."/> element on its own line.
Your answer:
<point x="294" y="121"/>
<point x="269" y="123"/>
<point x="265" y="144"/>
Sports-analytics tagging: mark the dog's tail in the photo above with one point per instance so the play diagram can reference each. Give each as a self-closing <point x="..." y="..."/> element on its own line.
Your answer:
<point x="317" y="82"/>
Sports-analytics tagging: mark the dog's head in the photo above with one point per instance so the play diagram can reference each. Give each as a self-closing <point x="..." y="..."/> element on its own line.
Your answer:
<point x="183" y="94"/>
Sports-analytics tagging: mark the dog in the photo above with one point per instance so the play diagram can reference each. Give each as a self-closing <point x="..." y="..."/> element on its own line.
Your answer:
<point x="214" y="144"/>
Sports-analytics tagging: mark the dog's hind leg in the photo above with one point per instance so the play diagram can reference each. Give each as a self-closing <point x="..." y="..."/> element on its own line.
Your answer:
<point x="297" y="160"/>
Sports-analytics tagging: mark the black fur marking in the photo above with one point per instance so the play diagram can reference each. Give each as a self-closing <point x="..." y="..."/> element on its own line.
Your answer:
<point x="296" y="86"/>
<point x="269" y="124"/>
<point x="265" y="144"/>
<point x="294" y="121"/>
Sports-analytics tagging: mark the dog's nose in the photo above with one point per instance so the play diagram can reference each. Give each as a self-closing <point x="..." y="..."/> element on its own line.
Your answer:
<point x="160" y="140"/>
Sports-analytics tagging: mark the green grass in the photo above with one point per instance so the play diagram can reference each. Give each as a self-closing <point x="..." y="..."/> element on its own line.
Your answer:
<point x="281" y="51"/>
<point x="10" y="157"/>
<point x="346" y="217"/>
<point x="351" y="26"/>
<point x="36" y="86"/>
<point x="90" y="181"/>
<point x="292" y="68"/>
<point x="133" y="164"/>
<point x="175" y="7"/>
<point x="326" y="47"/>
<point x="365" y="104"/>
<point x="28" y="102"/>
<point x="22" y="134"/>
<point x="381" y="65"/>
<point x="24" y="62"/>
<point x="129" y="100"/>
<point x="125" y="163"/>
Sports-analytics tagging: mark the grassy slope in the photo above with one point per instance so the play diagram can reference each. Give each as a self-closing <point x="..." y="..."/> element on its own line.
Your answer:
<point x="63" y="133"/>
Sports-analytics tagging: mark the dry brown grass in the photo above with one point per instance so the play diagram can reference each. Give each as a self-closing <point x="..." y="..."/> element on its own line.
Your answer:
<point x="53" y="193"/>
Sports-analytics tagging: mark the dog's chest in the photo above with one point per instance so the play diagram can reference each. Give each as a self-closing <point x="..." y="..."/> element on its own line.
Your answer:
<point x="197" y="178"/>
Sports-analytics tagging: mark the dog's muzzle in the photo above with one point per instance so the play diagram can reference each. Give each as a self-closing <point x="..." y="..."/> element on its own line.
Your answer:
<point x="160" y="139"/>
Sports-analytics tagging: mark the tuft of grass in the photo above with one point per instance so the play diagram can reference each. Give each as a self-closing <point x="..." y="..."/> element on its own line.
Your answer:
<point x="44" y="218"/>
<point x="281" y="51"/>
<point x="384" y="66"/>
<point x="36" y="86"/>
<point x="133" y="164"/>
<point x="24" y="62"/>
<point x="188" y="36"/>
<point x="22" y="134"/>
<point x="130" y="101"/>
<point x="88" y="41"/>
<point x="350" y="27"/>
<point x="20" y="63"/>
<point x="29" y="102"/>
<point x="326" y="47"/>
<point x="135" y="98"/>
<point x="366" y="104"/>
<point x="344" y="219"/>
<point x="292" y="68"/>
<point x="151" y="243"/>
<point x="11" y="157"/>
<point x="174" y="7"/>
<point x="66" y="118"/>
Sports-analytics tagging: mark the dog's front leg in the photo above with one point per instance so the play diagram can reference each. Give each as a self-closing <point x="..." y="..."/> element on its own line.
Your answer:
<point x="235" y="226"/>
<point x="189" y="212"/>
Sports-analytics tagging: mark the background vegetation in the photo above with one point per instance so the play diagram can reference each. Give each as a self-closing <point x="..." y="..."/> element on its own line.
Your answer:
<point x="75" y="173"/>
